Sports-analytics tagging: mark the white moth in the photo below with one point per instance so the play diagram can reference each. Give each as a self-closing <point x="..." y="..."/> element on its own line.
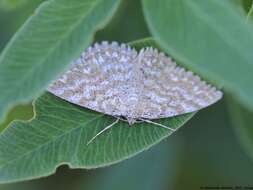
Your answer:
<point x="116" y="80"/>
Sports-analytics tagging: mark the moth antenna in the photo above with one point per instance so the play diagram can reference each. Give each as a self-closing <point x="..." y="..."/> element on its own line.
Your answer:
<point x="157" y="124"/>
<point x="102" y="131"/>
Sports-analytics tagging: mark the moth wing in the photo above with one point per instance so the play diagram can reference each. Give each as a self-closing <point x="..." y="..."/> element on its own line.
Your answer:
<point x="96" y="80"/>
<point x="169" y="90"/>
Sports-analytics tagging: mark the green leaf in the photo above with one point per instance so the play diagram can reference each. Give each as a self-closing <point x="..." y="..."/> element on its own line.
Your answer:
<point x="250" y="13"/>
<point x="20" y="112"/>
<point x="57" y="33"/>
<point x="246" y="4"/>
<point x="210" y="37"/>
<point x="157" y="167"/>
<point x="241" y="117"/>
<point x="128" y="24"/>
<point x="11" y="4"/>
<point x="59" y="134"/>
<point x="242" y="120"/>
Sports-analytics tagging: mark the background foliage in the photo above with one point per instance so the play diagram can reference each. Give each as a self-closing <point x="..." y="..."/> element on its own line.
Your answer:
<point x="206" y="151"/>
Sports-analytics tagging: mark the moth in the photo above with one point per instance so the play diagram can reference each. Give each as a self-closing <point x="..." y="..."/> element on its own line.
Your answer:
<point x="116" y="80"/>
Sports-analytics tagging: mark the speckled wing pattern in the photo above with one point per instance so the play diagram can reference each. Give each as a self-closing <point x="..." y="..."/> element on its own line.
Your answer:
<point x="116" y="80"/>
<point x="169" y="90"/>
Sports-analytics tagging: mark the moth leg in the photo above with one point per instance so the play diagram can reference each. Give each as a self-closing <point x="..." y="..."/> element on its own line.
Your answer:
<point x="102" y="131"/>
<point x="157" y="124"/>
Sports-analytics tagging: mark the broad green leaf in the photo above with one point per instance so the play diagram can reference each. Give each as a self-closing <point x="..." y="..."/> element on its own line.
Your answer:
<point x="242" y="120"/>
<point x="59" y="134"/>
<point x="152" y="170"/>
<point x="210" y="37"/>
<point x="57" y="32"/>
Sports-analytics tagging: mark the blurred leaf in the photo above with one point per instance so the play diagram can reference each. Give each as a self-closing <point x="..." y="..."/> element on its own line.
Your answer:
<point x="13" y="20"/>
<point x="145" y="42"/>
<point x="212" y="155"/>
<point x="247" y="4"/>
<point x="59" y="134"/>
<point x="11" y="4"/>
<point x="152" y="170"/>
<point x="250" y="13"/>
<point x="21" y="112"/>
<point x="58" y="32"/>
<point x="210" y="37"/>
<point x="128" y="24"/>
<point x="242" y="120"/>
